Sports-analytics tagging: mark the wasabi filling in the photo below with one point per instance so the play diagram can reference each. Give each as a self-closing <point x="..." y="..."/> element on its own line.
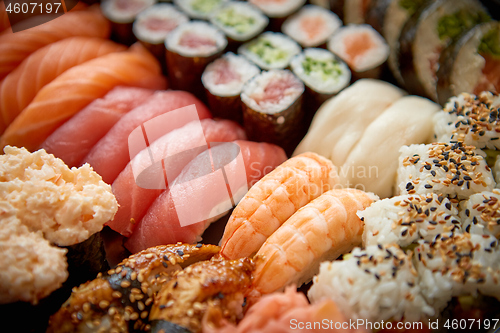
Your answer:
<point x="490" y="44"/>
<point x="239" y="22"/>
<point x="452" y="26"/>
<point x="326" y="68"/>
<point x="204" y="6"/>
<point x="267" y="51"/>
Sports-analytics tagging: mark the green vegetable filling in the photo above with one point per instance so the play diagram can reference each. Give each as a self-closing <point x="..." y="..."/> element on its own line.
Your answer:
<point x="267" y="51"/>
<point x="490" y="43"/>
<point x="204" y="6"/>
<point x="411" y="6"/>
<point x="452" y="26"/>
<point x="230" y="18"/>
<point x="327" y="68"/>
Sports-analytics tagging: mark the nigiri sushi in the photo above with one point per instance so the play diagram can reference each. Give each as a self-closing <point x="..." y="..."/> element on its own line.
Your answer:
<point x="322" y="230"/>
<point x="162" y="223"/>
<point x="15" y="47"/>
<point x="110" y="155"/>
<point x="79" y="86"/>
<point x="73" y="140"/>
<point x="20" y="87"/>
<point x="271" y="201"/>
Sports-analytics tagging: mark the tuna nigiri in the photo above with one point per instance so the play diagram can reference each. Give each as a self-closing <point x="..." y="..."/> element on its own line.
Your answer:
<point x="275" y="198"/>
<point x="74" y="139"/>
<point x="15" y="47"/>
<point x="321" y="230"/>
<point x="20" y="87"/>
<point x="71" y="91"/>
<point x="162" y="225"/>
<point x="135" y="200"/>
<point x="111" y="154"/>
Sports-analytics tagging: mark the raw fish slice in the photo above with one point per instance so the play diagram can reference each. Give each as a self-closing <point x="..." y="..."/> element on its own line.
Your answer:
<point x="20" y="87"/>
<point x="73" y="90"/>
<point x="135" y="200"/>
<point x="15" y="47"/>
<point x="74" y="139"/>
<point x="111" y="154"/>
<point x="161" y="224"/>
<point x="4" y="18"/>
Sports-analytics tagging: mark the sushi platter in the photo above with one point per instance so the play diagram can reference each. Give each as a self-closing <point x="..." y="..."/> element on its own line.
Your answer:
<point x="250" y="166"/>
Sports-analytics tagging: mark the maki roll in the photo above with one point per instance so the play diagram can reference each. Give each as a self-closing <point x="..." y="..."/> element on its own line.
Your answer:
<point x="481" y="213"/>
<point x="199" y="9"/>
<point x="427" y="34"/>
<point x="473" y="120"/>
<point x="471" y="64"/>
<point x="311" y="26"/>
<point x="272" y="108"/>
<point x="271" y="50"/>
<point x="362" y="48"/>
<point x="223" y="80"/>
<point x="240" y="21"/>
<point x="189" y="49"/>
<point x="405" y="219"/>
<point x="154" y="24"/>
<point x="323" y="74"/>
<point x="122" y="14"/>
<point x="278" y="10"/>
<point x="451" y="169"/>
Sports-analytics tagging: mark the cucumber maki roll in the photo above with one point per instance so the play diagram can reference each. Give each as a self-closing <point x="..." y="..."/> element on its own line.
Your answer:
<point x="199" y="9"/>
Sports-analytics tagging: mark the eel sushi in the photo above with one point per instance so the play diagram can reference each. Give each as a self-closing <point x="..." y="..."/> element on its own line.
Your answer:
<point x="200" y="9"/>
<point x="324" y="75"/>
<point x="122" y="14"/>
<point x="427" y="34"/>
<point x="74" y="139"/>
<point x="471" y="64"/>
<point x="153" y="25"/>
<point x="20" y="87"/>
<point x="272" y="108"/>
<point x="480" y="213"/>
<point x="471" y="119"/>
<point x="189" y="49"/>
<point x="311" y="26"/>
<point x="451" y="169"/>
<point x="270" y="50"/>
<point x="362" y="48"/>
<point x="240" y="21"/>
<point x="278" y="10"/>
<point x="223" y="80"/>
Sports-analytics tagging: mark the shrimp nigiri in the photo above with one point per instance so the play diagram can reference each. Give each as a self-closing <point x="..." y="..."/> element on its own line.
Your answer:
<point x="273" y="199"/>
<point x="321" y="230"/>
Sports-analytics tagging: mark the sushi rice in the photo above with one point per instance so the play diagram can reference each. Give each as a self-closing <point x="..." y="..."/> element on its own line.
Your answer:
<point x="405" y="219"/>
<point x="480" y="214"/>
<point x="451" y="169"/>
<point x="281" y="8"/>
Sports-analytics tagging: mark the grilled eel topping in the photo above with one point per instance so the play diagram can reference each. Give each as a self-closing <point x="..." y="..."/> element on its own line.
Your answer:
<point x="215" y="288"/>
<point x="120" y="299"/>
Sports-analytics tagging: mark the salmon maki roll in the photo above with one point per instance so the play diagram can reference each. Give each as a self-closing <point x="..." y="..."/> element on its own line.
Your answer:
<point x="322" y="230"/>
<point x="79" y="86"/>
<point x="272" y="200"/>
<point x="14" y="48"/>
<point x="20" y="87"/>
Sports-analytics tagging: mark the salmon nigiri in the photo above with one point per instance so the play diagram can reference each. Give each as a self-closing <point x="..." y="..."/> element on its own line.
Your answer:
<point x="134" y="200"/>
<point x="321" y="230"/>
<point x="161" y="223"/>
<point x="275" y="198"/>
<point x="71" y="91"/>
<point x="111" y="154"/>
<point x="15" y="47"/>
<point x="73" y="140"/>
<point x="20" y="87"/>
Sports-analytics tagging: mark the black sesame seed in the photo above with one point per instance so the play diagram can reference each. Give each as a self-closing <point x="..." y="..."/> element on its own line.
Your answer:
<point x="467" y="212"/>
<point x="433" y="173"/>
<point x="380" y="246"/>
<point x="433" y="222"/>
<point x="433" y="209"/>
<point x="164" y="263"/>
<point x="180" y="252"/>
<point x="428" y="186"/>
<point x="427" y="167"/>
<point x="467" y="178"/>
<point x="367" y="271"/>
<point x="377" y="276"/>
<point x="163" y="306"/>
<point x="460" y="182"/>
<point x="447" y="205"/>
<point x="199" y="245"/>
<point x="165" y="257"/>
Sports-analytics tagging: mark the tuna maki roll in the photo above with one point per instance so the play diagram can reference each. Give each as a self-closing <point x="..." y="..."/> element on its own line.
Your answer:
<point x="451" y="169"/>
<point x="473" y="120"/>
<point x="405" y="219"/>
<point x="272" y="108"/>
<point x="311" y="26"/>
<point x="271" y="50"/>
<point x="471" y="64"/>
<point x="223" y="80"/>
<point x="189" y="49"/>
<point x="199" y="9"/>
<point x="481" y="213"/>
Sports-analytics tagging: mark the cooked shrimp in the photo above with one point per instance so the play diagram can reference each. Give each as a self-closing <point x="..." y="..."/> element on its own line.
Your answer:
<point x="273" y="199"/>
<point x="321" y="230"/>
